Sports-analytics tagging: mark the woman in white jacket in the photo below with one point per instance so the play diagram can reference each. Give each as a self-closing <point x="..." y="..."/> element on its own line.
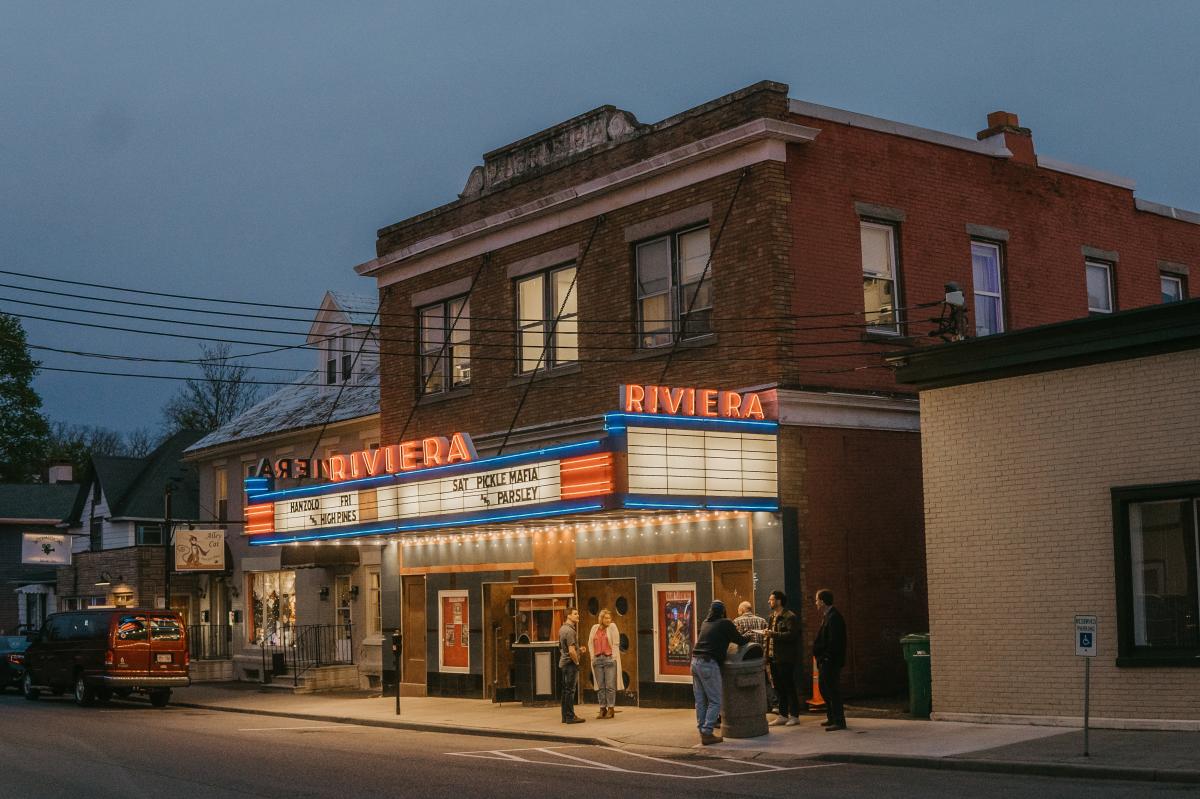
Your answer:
<point x="604" y="646"/>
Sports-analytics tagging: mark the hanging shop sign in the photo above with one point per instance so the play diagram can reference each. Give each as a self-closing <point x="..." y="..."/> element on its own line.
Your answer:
<point x="407" y="456"/>
<point x="674" y="631"/>
<point x="48" y="549"/>
<point x="200" y="550"/>
<point x="706" y="403"/>
<point x="454" y="652"/>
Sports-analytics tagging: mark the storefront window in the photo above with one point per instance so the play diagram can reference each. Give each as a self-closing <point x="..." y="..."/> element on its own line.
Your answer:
<point x="374" y="605"/>
<point x="273" y="607"/>
<point x="1158" y="538"/>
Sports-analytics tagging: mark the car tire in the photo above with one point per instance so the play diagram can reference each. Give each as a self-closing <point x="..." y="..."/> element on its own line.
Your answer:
<point x="27" y="688"/>
<point x="85" y="695"/>
<point x="160" y="697"/>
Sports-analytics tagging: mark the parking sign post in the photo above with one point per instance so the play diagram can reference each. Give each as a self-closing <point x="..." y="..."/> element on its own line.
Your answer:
<point x="1085" y="647"/>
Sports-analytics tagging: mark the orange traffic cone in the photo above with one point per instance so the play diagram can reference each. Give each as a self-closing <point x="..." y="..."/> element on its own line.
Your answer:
<point x="817" y="703"/>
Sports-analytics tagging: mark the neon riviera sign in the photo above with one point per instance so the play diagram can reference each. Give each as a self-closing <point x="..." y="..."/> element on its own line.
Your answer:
<point x="406" y="456"/>
<point x="702" y="402"/>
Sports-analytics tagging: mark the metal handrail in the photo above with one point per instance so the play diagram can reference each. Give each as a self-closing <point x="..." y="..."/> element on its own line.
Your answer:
<point x="209" y="641"/>
<point x="301" y="647"/>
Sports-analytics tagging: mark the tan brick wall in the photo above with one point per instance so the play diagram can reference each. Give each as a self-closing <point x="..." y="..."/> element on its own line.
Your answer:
<point x="1019" y="532"/>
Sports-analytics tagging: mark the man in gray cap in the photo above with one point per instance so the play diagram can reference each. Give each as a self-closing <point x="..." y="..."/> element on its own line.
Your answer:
<point x="716" y="634"/>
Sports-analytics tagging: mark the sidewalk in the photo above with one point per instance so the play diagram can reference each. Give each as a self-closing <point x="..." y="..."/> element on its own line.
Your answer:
<point x="1025" y="749"/>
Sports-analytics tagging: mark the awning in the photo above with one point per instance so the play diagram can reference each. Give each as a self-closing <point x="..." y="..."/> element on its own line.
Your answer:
<point x="315" y="556"/>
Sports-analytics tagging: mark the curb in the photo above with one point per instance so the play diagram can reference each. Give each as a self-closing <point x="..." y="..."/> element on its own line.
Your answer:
<point x="405" y="725"/>
<point x="1130" y="773"/>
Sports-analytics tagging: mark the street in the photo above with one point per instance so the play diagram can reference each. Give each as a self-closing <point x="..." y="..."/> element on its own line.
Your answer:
<point x="52" y="748"/>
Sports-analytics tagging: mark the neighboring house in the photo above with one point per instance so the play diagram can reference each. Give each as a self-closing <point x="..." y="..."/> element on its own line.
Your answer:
<point x="30" y="547"/>
<point x="117" y="521"/>
<point x="1062" y="478"/>
<point x="278" y="596"/>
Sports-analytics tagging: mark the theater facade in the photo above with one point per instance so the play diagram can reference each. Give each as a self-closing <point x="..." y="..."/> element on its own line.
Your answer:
<point x="672" y="501"/>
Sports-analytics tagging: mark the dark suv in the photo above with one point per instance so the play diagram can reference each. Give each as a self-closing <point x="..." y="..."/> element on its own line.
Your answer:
<point x="105" y="652"/>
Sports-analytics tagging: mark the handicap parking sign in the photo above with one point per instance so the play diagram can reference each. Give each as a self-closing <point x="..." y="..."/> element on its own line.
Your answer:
<point x="1085" y="636"/>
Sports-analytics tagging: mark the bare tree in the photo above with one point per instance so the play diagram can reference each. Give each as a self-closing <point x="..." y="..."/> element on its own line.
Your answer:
<point x="141" y="442"/>
<point x="77" y="443"/>
<point x="222" y="392"/>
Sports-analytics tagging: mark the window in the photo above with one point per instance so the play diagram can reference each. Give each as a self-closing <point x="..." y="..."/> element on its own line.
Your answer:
<point x="272" y="607"/>
<point x="1157" y="545"/>
<point x="881" y="288"/>
<point x="149" y="534"/>
<point x="445" y="345"/>
<point x="331" y="364"/>
<point x="131" y="628"/>
<point x="96" y="541"/>
<point x="1099" y="287"/>
<point x="1173" y="289"/>
<point x="221" y="494"/>
<point x="541" y="298"/>
<point x="347" y="358"/>
<point x="674" y="294"/>
<point x="374" y="605"/>
<point x="989" y="301"/>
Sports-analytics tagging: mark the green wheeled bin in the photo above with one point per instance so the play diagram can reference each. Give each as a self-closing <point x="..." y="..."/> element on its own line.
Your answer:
<point x="920" y="677"/>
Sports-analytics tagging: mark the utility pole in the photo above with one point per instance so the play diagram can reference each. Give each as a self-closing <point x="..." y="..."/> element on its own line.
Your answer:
<point x="168" y="547"/>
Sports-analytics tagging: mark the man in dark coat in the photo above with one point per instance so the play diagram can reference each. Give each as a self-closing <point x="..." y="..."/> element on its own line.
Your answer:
<point x="829" y="648"/>
<point x="783" y="648"/>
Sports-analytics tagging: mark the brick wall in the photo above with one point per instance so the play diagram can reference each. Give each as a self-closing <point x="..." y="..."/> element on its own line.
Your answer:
<point x="1019" y="532"/>
<point x="1049" y="216"/>
<point x="139" y="569"/>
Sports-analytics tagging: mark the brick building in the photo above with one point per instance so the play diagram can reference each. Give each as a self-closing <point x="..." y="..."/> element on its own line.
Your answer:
<point x="753" y="243"/>
<point x="1061" y="479"/>
<point x="31" y="546"/>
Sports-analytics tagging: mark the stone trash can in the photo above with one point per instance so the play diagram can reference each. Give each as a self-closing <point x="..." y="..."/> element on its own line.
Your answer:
<point x="744" y="693"/>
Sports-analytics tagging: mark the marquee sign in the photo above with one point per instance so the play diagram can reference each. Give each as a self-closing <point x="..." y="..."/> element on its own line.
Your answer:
<point x="668" y="447"/>
<point x="406" y="456"/>
<point x="702" y="402"/>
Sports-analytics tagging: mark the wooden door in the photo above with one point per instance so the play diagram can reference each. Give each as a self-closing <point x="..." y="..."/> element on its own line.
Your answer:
<point x="733" y="584"/>
<point x="620" y="597"/>
<point x="181" y="603"/>
<point x="413" y="618"/>
<point x="497" y="637"/>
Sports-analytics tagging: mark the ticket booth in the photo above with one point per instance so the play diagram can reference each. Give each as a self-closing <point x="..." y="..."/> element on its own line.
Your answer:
<point x="539" y="606"/>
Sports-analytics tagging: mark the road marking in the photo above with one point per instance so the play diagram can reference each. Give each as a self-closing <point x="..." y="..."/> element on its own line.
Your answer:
<point x="326" y="727"/>
<point x="599" y="765"/>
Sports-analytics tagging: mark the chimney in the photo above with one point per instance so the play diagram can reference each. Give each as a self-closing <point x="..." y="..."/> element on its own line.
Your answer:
<point x="1017" y="139"/>
<point x="60" y="473"/>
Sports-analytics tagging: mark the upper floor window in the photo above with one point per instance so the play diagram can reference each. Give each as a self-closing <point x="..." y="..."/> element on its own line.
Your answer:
<point x="331" y="361"/>
<point x="221" y="494"/>
<point x="149" y="534"/>
<point x="540" y="299"/>
<point x="674" y="293"/>
<point x="989" y="299"/>
<point x="881" y="287"/>
<point x="445" y="345"/>
<point x="1099" y="287"/>
<point x="1173" y="289"/>
<point x="96" y="542"/>
<point x="1158" y="602"/>
<point x="338" y="352"/>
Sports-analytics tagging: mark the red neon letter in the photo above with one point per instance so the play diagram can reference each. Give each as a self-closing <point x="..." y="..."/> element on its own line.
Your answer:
<point x="460" y="449"/>
<point x="337" y="468"/>
<point x="673" y="398"/>
<point x="434" y="449"/>
<point x="410" y="451"/>
<point x="391" y="458"/>
<point x="373" y="461"/>
<point x="634" y="395"/>
<point x="730" y="402"/>
<point x="754" y="408"/>
<point x="689" y="402"/>
<point x="708" y="402"/>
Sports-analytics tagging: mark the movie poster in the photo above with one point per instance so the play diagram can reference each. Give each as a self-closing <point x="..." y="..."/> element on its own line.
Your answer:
<point x="453" y="643"/>
<point x="674" y="631"/>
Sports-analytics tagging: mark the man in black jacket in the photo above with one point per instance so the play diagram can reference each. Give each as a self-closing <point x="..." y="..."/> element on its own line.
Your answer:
<point x="829" y="648"/>
<point x="712" y="644"/>
<point x="783" y="650"/>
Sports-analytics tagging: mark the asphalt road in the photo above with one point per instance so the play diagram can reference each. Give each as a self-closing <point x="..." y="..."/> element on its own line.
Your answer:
<point x="51" y="748"/>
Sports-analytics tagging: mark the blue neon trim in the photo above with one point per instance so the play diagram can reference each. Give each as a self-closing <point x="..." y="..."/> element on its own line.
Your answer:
<point x="397" y="528"/>
<point x="700" y="503"/>
<point x="421" y="474"/>
<point x="690" y="506"/>
<point x="615" y="421"/>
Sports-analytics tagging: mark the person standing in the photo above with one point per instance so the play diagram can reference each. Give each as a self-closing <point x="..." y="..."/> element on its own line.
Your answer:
<point x="568" y="665"/>
<point x="604" y="642"/>
<point x="712" y="644"/>
<point x="749" y="624"/>
<point x="829" y="648"/>
<point x="783" y="646"/>
<point x="753" y="626"/>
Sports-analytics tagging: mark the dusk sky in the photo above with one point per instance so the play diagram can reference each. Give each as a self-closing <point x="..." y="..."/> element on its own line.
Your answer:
<point x="250" y="150"/>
